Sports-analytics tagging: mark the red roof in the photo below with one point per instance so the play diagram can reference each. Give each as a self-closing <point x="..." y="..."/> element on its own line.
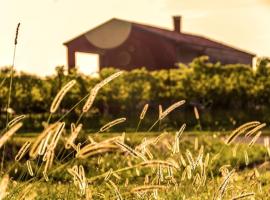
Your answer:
<point x="187" y="38"/>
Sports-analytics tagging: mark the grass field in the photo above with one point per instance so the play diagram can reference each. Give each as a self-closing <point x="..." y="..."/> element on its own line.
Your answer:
<point x="64" y="161"/>
<point x="119" y="174"/>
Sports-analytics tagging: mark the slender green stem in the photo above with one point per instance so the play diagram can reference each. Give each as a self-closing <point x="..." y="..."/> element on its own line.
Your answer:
<point x="138" y="126"/>
<point x="72" y="108"/>
<point x="49" y="118"/>
<point x="153" y="125"/>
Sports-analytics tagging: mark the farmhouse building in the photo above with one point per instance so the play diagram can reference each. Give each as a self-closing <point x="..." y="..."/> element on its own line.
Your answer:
<point x="128" y="45"/>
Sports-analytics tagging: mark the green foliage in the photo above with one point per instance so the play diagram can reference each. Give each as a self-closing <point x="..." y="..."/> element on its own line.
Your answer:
<point x="225" y="95"/>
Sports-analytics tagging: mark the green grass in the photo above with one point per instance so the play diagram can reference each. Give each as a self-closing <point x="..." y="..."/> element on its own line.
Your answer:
<point x="61" y="186"/>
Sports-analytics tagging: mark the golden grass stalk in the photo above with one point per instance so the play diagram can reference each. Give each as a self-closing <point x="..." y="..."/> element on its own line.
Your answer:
<point x="144" y="110"/>
<point x="147" y="188"/>
<point x="151" y="141"/>
<point x="35" y="146"/>
<point x="160" y="174"/>
<point x="254" y="130"/>
<point x="196" y="144"/>
<point x="112" y="123"/>
<point x="149" y="154"/>
<point x="79" y="177"/>
<point x="151" y="163"/>
<point x="16" y="120"/>
<point x="57" y="134"/>
<point x="93" y="93"/>
<point x="196" y="113"/>
<point x="45" y="175"/>
<point x="183" y="161"/>
<point x="4" y="186"/>
<point x="181" y="130"/>
<point x="49" y="156"/>
<point x="222" y="188"/>
<point x="9" y="133"/>
<point x="89" y="102"/>
<point x="23" y="150"/>
<point x="171" y="108"/>
<point x="184" y="174"/>
<point x="112" y="185"/>
<point x="130" y="150"/>
<point x="160" y="111"/>
<point x="246" y="158"/>
<point x="189" y="171"/>
<point x="74" y="134"/>
<point x="254" y="139"/>
<point x="91" y="150"/>
<point x="190" y="159"/>
<point x="109" y="173"/>
<point x="44" y="143"/>
<point x="24" y="193"/>
<point x="29" y="168"/>
<point x="245" y="195"/>
<point x="60" y="95"/>
<point x="266" y="142"/>
<point x="241" y="129"/>
<point x="176" y="148"/>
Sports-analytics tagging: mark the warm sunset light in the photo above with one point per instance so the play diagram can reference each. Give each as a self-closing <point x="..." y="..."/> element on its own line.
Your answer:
<point x="135" y="99"/>
<point x="47" y="24"/>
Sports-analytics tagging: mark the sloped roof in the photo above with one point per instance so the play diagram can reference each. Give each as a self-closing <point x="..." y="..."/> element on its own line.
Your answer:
<point x="188" y="38"/>
<point x="172" y="35"/>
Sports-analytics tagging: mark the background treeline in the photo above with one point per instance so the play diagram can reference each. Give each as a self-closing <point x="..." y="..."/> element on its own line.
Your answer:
<point x="225" y="95"/>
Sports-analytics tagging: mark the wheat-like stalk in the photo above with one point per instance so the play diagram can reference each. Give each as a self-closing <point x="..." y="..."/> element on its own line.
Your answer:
<point x="112" y="123"/>
<point x="9" y="133"/>
<point x="93" y="93"/>
<point x="171" y="108"/>
<point x="245" y="195"/>
<point x="91" y="150"/>
<point x="246" y="158"/>
<point x="196" y="113"/>
<point x="35" y="148"/>
<point x="130" y="150"/>
<point x="48" y="157"/>
<point x="152" y="163"/>
<point x="74" y="134"/>
<point x="23" y="150"/>
<point x="116" y="190"/>
<point x="3" y="186"/>
<point x="160" y="111"/>
<point x="144" y="110"/>
<point x="57" y="134"/>
<point x="60" y="95"/>
<point x="241" y="129"/>
<point x="223" y="186"/>
<point x="254" y="139"/>
<point x="16" y="120"/>
<point x="29" y="168"/>
<point x="109" y="173"/>
<point x="190" y="159"/>
<point x="254" y="130"/>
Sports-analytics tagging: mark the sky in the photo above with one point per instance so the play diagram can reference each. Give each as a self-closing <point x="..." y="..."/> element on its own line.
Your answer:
<point x="47" y="24"/>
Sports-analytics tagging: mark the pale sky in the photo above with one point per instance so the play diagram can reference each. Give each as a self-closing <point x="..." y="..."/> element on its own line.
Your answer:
<point x="46" y="24"/>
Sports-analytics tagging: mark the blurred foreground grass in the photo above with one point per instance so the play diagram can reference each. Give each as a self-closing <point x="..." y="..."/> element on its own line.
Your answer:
<point x="60" y="184"/>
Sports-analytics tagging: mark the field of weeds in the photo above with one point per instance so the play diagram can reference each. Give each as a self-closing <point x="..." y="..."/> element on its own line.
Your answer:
<point x="66" y="162"/>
